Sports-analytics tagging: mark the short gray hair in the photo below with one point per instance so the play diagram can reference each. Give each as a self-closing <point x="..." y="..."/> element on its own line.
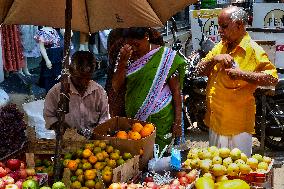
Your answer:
<point x="239" y="15"/>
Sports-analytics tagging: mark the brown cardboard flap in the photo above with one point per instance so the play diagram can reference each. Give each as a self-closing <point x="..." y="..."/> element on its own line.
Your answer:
<point x="126" y="171"/>
<point x="126" y="145"/>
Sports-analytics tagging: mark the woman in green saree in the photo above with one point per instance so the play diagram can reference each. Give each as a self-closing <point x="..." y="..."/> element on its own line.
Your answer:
<point x="153" y="76"/>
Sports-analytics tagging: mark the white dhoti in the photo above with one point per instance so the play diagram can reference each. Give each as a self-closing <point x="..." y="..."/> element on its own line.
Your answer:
<point x="242" y="141"/>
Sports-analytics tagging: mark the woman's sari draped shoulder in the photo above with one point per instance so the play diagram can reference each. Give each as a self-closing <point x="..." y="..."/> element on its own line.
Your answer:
<point x="148" y="96"/>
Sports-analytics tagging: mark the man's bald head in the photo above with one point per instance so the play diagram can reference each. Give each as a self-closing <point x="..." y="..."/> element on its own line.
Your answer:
<point x="236" y="14"/>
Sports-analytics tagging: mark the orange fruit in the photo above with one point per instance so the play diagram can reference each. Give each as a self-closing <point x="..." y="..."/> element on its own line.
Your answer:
<point x="93" y="159"/>
<point x="90" y="174"/>
<point x="107" y="176"/>
<point x="149" y="125"/>
<point x="146" y="131"/>
<point x="129" y="133"/>
<point x="121" y="135"/>
<point x="134" y="135"/>
<point x="137" y="127"/>
<point x="72" y="165"/>
<point x="87" y="153"/>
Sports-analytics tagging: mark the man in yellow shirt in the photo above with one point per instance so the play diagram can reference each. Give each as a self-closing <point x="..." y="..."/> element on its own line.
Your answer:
<point x="235" y="67"/>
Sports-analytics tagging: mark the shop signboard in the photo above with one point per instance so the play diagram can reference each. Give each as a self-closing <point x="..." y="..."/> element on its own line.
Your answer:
<point x="268" y="15"/>
<point x="204" y="21"/>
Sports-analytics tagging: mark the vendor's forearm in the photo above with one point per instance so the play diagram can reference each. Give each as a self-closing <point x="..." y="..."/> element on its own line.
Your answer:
<point x="176" y="93"/>
<point x="204" y="67"/>
<point x="119" y="76"/>
<point x="258" y="78"/>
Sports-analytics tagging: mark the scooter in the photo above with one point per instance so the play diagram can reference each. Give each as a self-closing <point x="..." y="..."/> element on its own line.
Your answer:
<point x="270" y="104"/>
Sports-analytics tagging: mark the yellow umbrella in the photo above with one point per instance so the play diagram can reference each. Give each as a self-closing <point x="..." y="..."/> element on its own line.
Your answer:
<point x="91" y="15"/>
<point x="86" y="16"/>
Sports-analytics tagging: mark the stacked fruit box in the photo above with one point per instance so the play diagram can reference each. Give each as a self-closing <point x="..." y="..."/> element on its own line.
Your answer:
<point x="129" y="135"/>
<point x="262" y="179"/>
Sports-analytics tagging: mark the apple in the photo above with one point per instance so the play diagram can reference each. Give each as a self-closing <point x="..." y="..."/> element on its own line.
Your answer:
<point x="227" y="161"/>
<point x="204" y="154"/>
<point x="175" y="182"/>
<point x="244" y="157"/>
<point x="183" y="181"/>
<point x="218" y="170"/>
<point x="258" y="157"/>
<point x="214" y="151"/>
<point x="174" y="186"/>
<point x="14" y="175"/>
<point x="3" y="172"/>
<point x="152" y="185"/>
<point x="2" y="184"/>
<point x="194" y="163"/>
<point x="166" y="186"/>
<point x="192" y="155"/>
<point x="181" y="174"/>
<point x="240" y="161"/>
<point x="233" y="169"/>
<point x="222" y="178"/>
<point x="13" y="164"/>
<point x="244" y="169"/>
<point x="205" y="165"/>
<point x="11" y="186"/>
<point x="2" y="164"/>
<point x="149" y="179"/>
<point x="191" y="176"/>
<point x="262" y="165"/>
<point x="19" y="183"/>
<point x="235" y="154"/>
<point x="209" y="175"/>
<point x="30" y="171"/>
<point x="217" y="160"/>
<point x="224" y="152"/>
<point x="253" y="163"/>
<point x="58" y="185"/>
<point x="8" y="170"/>
<point x="8" y="180"/>
<point x="267" y="159"/>
<point x="30" y="184"/>
<point x="22" y="173"/>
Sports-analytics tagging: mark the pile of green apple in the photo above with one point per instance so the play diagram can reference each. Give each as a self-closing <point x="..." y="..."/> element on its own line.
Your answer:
<point x="221" y="164"/>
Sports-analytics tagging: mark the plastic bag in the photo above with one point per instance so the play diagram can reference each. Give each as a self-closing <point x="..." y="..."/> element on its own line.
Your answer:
<point x="4" y="98"/>
<point x="34" y="111"/>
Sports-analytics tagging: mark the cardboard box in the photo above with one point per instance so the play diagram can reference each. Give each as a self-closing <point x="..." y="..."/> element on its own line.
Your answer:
<point x="122" y="173"/>
<point x="127" y="145"/>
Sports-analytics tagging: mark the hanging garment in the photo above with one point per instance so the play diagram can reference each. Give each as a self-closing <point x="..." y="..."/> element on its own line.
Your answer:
<point x="13" y="58"/>
<point x="30" y="46"/>
<point x="53" y="42"/>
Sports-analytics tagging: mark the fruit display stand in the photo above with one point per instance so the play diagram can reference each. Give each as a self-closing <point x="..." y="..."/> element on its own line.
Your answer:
<point x="260" y="180"/>
<point x="71" y="140"/>
<point x="135" y="147"/>
<point x="220" y="165"/>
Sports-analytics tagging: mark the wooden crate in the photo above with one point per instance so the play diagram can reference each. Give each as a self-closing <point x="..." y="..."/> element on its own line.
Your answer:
<point x="71" y="141"/>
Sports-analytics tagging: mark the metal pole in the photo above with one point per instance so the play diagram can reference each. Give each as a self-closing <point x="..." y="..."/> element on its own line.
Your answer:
<point x="63" y="105"/>
<point x="263" y="123"/>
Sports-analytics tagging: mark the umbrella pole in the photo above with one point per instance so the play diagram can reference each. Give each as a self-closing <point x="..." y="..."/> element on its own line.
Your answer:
<point x="63" y="105"/>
